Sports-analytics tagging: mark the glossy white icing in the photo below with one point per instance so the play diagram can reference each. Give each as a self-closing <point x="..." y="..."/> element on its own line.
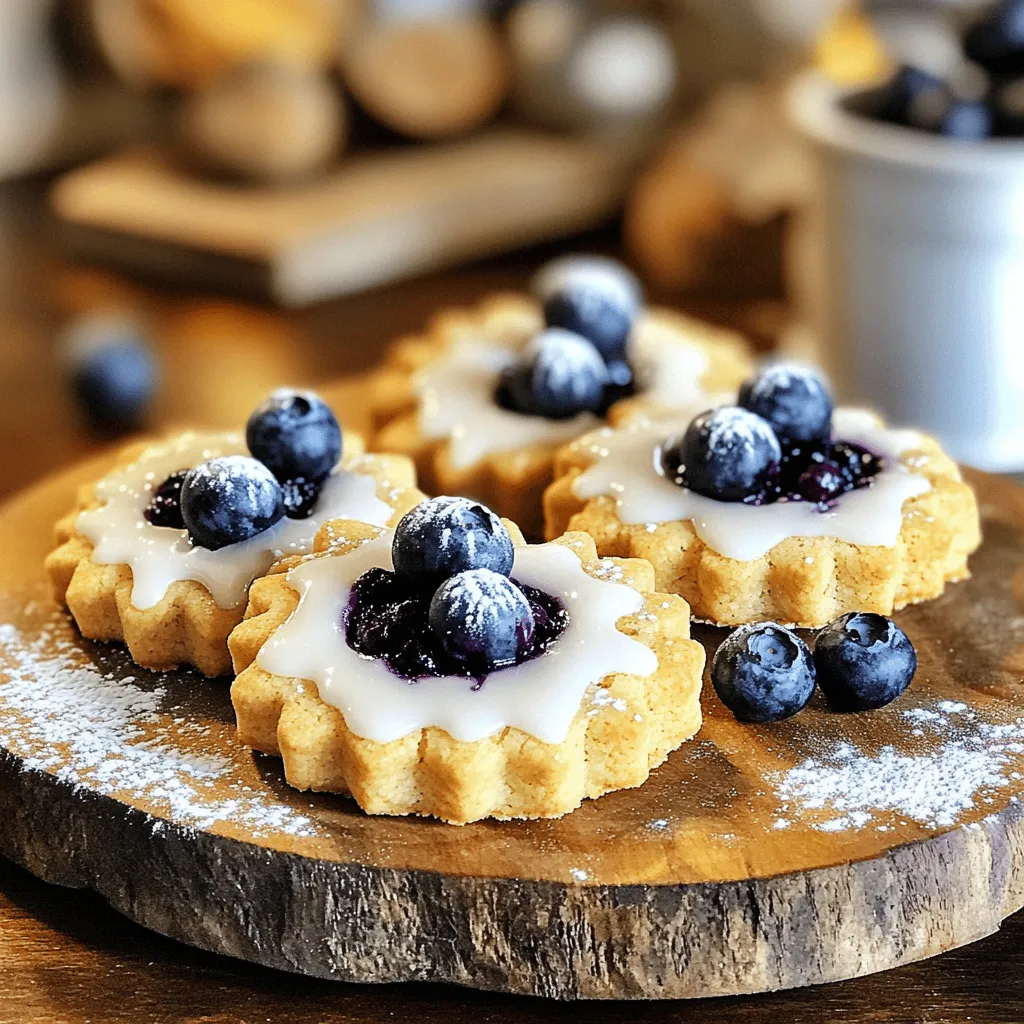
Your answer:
<point x="457" y="402"/>
<point x="157" y="555"/>
<point x="540" y="697"/>
<point x="668" y="369"/>
<point x="626" y="468"/>
<point x="456" y="393"/>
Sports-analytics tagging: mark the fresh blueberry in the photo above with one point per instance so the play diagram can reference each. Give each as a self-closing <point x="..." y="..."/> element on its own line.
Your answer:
<point x="294" y="434"/>
<point x="967" y="120"/>
<point x="997" y="41"/>
<point x="164" y="508"/>
<point x="589" y="308"/>
<point x="821" y="483"/>
<point x="913" y="97"/>
<point x="445" y="536"/>
<point x="1008" y="104"/>
<point x="113" y="373"/>
<point x="763" y="672"/>
<point x="793" y="399"/>
<point x="594" y="297"/>
<point x="864" y="661"/>
<point x="515" y="389"/>
<point x="228" y="500"/>
<point x="300" y="497"/>
<point x="728" y="454"/>
<point x="567" y="376"/>
<point x="482" y="619"/>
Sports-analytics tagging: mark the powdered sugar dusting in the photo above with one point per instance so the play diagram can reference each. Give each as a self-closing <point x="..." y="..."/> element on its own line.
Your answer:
<point x="732" y="427"/>
<point x="117" y="736"/>
<point x="966" y="760"/>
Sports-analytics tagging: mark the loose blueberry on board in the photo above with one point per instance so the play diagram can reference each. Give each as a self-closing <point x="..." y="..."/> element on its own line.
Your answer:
<point x="295" y="435"/>
<point x="113" y="373"/>
<point x="444" y="536"/>
<point x="864" y="661"/>
<point x="597" y="306"/>
<point x="228" y="500"/>
<point x="727" y="453"/>
<point x="164" y="508"/>
<point x="763" y="672"/>
<point x="567" y="376"/>
<point x="482" y="619"/>
<point x="997" y="41"/>
<point x="793" y="399"/>
<point x="300" y="497"/>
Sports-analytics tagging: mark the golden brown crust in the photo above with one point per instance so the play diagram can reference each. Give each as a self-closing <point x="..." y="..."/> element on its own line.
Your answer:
<point x="613" y="743"/>
<point x="186" y="627"/>
<point x="510" y="482"/>
<point x="805" y="581"/>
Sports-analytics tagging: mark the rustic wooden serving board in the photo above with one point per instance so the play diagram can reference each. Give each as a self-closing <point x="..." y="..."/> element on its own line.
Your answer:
<point x="760" y="858"/>
<point x="379" y="217"/>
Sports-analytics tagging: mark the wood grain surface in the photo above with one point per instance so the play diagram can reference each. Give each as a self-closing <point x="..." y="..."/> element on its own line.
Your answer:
<point x="66" y="957"/>
<point x="380" y="217"/>
<point x="710" y="879"/>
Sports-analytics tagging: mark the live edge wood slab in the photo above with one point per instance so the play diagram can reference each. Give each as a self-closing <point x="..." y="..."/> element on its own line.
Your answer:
<point x="719" y="876"/>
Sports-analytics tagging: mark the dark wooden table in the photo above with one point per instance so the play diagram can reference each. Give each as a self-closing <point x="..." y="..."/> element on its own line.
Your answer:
<point x="64" y="955"/>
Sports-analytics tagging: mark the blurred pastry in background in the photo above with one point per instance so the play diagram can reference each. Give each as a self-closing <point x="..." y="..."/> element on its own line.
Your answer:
<point x="427" y="70"/>
<point x="736" y="165"/>
<point x="271" y="122"/>
<point x="579" y="68"/>
<point x="190" y="44"/>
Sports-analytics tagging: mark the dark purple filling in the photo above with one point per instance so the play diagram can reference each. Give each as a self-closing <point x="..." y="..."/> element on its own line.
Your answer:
<point x="300" y="497"/>
<point x="165" y="507"/>
<point x="817" y="472"/>
<point x="386" y="618"/>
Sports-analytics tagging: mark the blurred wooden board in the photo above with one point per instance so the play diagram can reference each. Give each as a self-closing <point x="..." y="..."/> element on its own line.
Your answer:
<point x="719" y="876"/>
<point x="377" y="218"/>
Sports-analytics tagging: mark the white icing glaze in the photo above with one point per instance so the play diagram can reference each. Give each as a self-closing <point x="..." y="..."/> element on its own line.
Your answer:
<point x="456" y="393"/>
<point x="158" y="555"/>
<point x="625" y="467"/>
<point x="668" y="369"/>
<point x="540" y="697"/>
<point x="457" y="402"/>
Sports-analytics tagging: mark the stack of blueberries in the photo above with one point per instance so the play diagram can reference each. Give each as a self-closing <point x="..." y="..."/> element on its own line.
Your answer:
<point x="579" y="362"/>
<point x="450" y="606"/>
<point x="776" y="444"/>
<point x="982" y="97"/>
<point x="295" y="441"/>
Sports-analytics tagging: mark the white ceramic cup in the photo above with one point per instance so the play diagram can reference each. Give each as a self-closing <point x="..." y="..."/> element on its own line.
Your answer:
<point x="919" y="258"/>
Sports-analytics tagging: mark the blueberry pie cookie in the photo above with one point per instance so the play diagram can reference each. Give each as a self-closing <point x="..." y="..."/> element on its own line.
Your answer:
<point x="449" y="669"/>
<point x="160" y="553"/>
<point x="777" y="508"/>
<point x="484" y="398"/>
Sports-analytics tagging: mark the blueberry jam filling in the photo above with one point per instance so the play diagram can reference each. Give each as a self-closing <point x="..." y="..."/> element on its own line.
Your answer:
<point x="819" y="474"/>
<point x="387" y="618"/>
<point x="165" y="507"/>
<point x="774" y="446"/>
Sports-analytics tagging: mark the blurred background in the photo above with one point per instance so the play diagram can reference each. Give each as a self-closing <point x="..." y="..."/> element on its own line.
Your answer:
<point x="227" y="195"/>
